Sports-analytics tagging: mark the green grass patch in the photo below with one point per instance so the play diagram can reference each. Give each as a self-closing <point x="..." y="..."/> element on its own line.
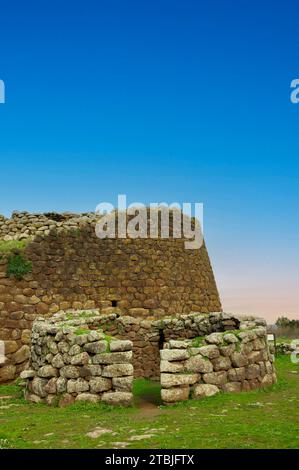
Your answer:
<point x="11" y="245"/>
<point x="264" y="418"/>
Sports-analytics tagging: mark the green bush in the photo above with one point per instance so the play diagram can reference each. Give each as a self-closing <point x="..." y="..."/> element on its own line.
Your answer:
<point x="18" y="266"/>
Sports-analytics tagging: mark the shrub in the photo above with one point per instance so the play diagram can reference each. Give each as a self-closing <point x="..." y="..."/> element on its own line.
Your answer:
<point x="18" y="266"/>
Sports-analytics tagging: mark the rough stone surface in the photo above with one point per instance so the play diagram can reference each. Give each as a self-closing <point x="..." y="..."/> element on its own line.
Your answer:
<point x="204" y="390"/>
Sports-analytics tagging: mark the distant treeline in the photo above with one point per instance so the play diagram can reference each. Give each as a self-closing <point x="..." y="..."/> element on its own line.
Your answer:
<point x="284" y="322"/>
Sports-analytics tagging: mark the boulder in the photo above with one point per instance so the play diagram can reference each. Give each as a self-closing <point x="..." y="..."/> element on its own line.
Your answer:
<point x="100" y="384"/>
<point x="174" y="354"/>
<point x="198" y="364"/>
<point x="89" y="397"/>
<point x="173" y="395"/>
<point x="204" y="390"/>
<point x="117" y="370"/>
<point x="171" y="380"/>
<point x="118" y="398"/>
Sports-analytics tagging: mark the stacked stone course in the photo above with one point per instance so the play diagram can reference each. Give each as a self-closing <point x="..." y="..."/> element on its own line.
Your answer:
<point x="231" y="361"/>
<point x="70" y="362"/>
<point x="73" y="269"/>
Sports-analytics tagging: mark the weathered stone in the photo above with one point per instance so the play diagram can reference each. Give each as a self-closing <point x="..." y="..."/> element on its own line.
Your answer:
<point x="96" y="347"/>
<point x="210" y="351"/>
<point x="89" y="397"/>
<point x="227" y="350"/>
<point x="198" y="364"/>
<point x="69" y="372"/>
<point x="173" y="395"/>
<point x="214" y="338"/>
<point x="100" y="384"/>
<point x="57" y="361"/>
<point x="66" y="400"/>
<point x="28" y="374"/>
<point x="166" y="366"/>
<point x="74" y="350"/>
<point x="81" y="339"/>
<point x="38" y="386"/>
<point x="117" y="370"/>
<point x="121" y="345"/>
<point x="93" y="370"/>
<point x="47" y="371"/>
<point x="80" y="359"/>
<point x="252" y="371"/>
<point x="63" y="347"/>
<point x="254" y="356"/>
<point x="77" y="386"/>
<point x="215" y="378"/>
<point x="31" y="397"/>
<point x="204" y="390"/>
<point x="61" y="385"/>
<point x="230" y="338"/>
<point x="22" y="354"/>
<point x="118" y="398"/>
<point x="7" y="373"/>
<point x="51" y="387"/>
<point x="238" y="359"/>
<point x="112" y="358"/>
<point x="267" y="380"/>
<point x="123" y="383"/>
<point x="179" y="344"/>
<point x="232" y="387"/>
<point x="174" y="354"/>
<point x="10" y="347"/>
<point x="236" y="374"/>
<point x="171" y="380"/>
<point x="221" y="363"/>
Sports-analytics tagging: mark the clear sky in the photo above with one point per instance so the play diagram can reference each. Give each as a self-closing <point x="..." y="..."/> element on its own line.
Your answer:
<point x="163" y="101"/>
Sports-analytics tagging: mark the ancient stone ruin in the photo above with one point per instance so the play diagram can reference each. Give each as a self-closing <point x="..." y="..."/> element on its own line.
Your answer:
<point x="74" y="357"/>
<point x="73" y="269"/>
<point x="81" y="316"/>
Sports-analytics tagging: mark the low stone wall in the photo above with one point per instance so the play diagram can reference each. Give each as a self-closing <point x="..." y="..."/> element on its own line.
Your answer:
<point x="147" y="336"/>
<point x="286" y="348"/>
<point x="231" y="361"/>
<point x="71" y="362"/>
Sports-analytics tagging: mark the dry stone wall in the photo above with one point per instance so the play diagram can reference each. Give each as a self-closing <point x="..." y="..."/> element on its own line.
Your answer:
<point x="232" y="361"/>
<point x="73" y="356"/>
<point x="69" y="362"/>
<point x="73" y="269"/>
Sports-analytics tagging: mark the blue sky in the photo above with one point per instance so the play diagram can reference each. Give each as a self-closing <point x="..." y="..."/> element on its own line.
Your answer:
<point x="163" y="101"/>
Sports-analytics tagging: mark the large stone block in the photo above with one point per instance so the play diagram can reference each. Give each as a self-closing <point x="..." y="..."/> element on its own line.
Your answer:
<point x="100" y="384"/>
<point x="89" y="397"/>
<point x="117" y="370"/>
<point x="173" y="395"/>
<point x="210" y="351"/>
<point x="174" y="354"/>
<point x="167" y="366"/>
<point x="47" y="371"/>
<point x="221" y="363"/>
<point x="96" y="347"/>
<point x="171" y="380"/>
<point x="198" y="364"/>
<point x="123" y="384"/>
<point x="113" y="358"/>
<point x="215" y="378"/>
<point x="232" y="387"/>
<point x="121" y="345"/>
<point x="238" y="359"/>
<point x="118" y="398"/>
<point x="204" y="390"/>
<point x="38" y="386"/>
<point x="70" y="372"/>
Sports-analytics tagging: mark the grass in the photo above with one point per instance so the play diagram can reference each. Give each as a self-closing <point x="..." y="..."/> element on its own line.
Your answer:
<point x="11" y="245"/>
<point x="266" y="418"/>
